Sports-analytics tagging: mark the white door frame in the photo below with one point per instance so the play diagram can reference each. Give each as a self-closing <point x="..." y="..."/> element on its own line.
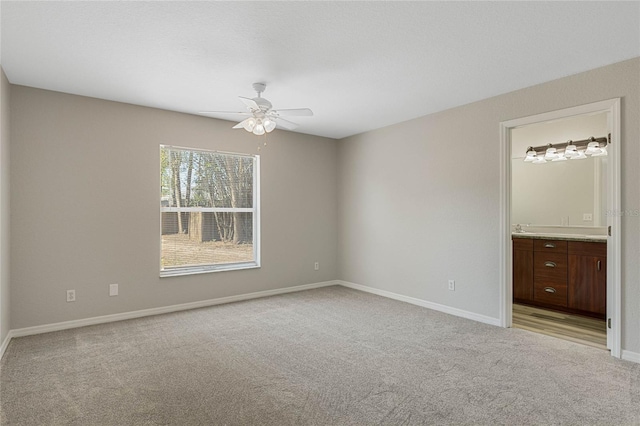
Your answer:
<point x="614" y="254"/>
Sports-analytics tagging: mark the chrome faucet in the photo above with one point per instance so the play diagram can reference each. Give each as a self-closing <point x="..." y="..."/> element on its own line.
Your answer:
<point x="519" y="229"/>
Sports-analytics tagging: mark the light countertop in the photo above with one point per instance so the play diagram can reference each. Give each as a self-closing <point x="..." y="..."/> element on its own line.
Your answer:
<point x="564" y="237"/>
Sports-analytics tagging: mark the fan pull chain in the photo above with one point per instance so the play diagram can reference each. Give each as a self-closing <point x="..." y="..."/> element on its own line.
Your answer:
<point x="265" y="141"/>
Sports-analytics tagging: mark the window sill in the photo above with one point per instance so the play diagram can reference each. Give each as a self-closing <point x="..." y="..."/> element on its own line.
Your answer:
<point x="178" y="272"/>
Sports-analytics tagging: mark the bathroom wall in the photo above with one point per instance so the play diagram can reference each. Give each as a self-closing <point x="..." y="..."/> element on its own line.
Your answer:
<point x="559" y="193"/>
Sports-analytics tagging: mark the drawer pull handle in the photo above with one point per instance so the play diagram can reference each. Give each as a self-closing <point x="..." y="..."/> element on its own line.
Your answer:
<point x="549" y="245"/>
<point x="550" y="264"/>
<point x="599" y="265"/>
<point x="550" y="289"/>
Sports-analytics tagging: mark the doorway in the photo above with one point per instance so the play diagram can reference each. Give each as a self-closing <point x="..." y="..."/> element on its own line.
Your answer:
<point x="608" y="224"/>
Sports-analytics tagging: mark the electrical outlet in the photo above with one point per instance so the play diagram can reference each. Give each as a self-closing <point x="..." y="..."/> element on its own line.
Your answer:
<point x="113" y="289"/>
<point x="71" y="295"/>
<point x="587" y="217"/>
<point x="316" y="266"/>
<point x="452" y="285"/>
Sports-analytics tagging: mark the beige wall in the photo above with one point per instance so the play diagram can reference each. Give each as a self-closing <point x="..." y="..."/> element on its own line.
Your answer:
<point x="85" y="207"/>
<point x="410" y="209"/>
<point x="419" y="201"/>
<point x="5" y="90"/>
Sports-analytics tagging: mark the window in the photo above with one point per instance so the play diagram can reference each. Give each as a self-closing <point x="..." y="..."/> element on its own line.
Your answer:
<point x="209" y="211"/>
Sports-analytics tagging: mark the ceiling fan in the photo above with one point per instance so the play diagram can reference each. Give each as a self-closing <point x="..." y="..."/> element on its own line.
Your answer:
<point x="262" y="117"/>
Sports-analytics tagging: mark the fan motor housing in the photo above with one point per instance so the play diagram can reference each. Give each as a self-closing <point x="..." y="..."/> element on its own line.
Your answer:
<point x="264" y="104"/>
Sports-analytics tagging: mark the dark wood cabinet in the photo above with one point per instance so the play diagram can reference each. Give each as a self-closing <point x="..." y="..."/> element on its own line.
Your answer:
<point x="565" y="275"/>
<point x="588" y="277"/>
<point x="523" y="270"/>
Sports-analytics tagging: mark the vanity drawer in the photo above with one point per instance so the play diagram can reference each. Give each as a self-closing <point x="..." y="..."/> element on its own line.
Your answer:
<point x="550" y="268"/>
<point x="550" y="294"/>
<point x="550" y="246"/>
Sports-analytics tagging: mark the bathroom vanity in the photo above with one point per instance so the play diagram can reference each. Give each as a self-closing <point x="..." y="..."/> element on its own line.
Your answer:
<point x="566" y="273"/>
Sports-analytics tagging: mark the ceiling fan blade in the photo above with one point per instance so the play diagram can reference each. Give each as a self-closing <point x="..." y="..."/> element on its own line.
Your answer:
<point x="286" y="124"/>
<point x="250" y="103"/>
<point x="241" y="124"/>
<point x="301" y="112"/>
<point x="225" y="112"/>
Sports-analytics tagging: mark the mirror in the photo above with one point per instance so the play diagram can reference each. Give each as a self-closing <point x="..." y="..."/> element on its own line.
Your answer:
<point x="566" y="193"/>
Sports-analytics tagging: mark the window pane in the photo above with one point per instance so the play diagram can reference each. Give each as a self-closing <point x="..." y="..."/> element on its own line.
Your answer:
<point x="205" y="179"/>
<point x="197" y="179"/>
<point x="210" y="239"/>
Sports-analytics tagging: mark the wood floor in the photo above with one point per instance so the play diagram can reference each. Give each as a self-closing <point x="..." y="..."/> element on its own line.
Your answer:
<point x="579" y="329"/>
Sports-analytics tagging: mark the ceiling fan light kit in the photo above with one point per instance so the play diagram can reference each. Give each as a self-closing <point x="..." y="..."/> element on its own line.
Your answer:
<point x="262" y="117"/>
<point x="257" y="126"/>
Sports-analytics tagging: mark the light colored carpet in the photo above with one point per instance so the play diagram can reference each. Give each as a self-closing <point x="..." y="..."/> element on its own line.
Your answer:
<point x="331" y="356"/>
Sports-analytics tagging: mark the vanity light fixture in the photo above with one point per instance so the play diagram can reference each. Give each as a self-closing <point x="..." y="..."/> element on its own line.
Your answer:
<point x="570" y="150"/>
<point x="579" y="156"/>
<point x="531" y="155"/>
<point x="550" y="153"/>
<point x="593" y="148"/>
<point x="560" y="157"/>
<point x="601" y="153"/>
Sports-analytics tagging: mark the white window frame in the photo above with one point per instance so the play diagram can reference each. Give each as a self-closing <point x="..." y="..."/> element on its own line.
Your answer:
<point x="203" y="269"/>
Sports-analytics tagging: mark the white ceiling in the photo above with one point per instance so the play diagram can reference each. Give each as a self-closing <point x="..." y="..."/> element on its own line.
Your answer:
<point x="358" y="65"/>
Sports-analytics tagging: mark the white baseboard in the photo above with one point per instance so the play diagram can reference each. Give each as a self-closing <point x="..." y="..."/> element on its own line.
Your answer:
<point x="631" y="356"/>
<point x="626" y="355"/>
<point x="46" y="328"/>
<point x="5" y="343"/>
<point x="424" y="303"/>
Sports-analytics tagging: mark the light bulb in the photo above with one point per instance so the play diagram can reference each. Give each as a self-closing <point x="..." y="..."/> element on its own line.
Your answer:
<point x="592" y="148"/>
<point x="531" y="155"/>
<point x="249" y="124"/>
<point x="550" y="154"/>
<point x="259" y="127"/>
<point x="571" y="151"/>
<point x="602" y="153"/>
<point x="258" y="130"/>
<point x="269" y="125"/>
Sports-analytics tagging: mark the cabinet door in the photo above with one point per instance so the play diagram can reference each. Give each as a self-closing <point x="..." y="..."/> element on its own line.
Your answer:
<point x="523" y="275"/>
<point x="588" y="283"/>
